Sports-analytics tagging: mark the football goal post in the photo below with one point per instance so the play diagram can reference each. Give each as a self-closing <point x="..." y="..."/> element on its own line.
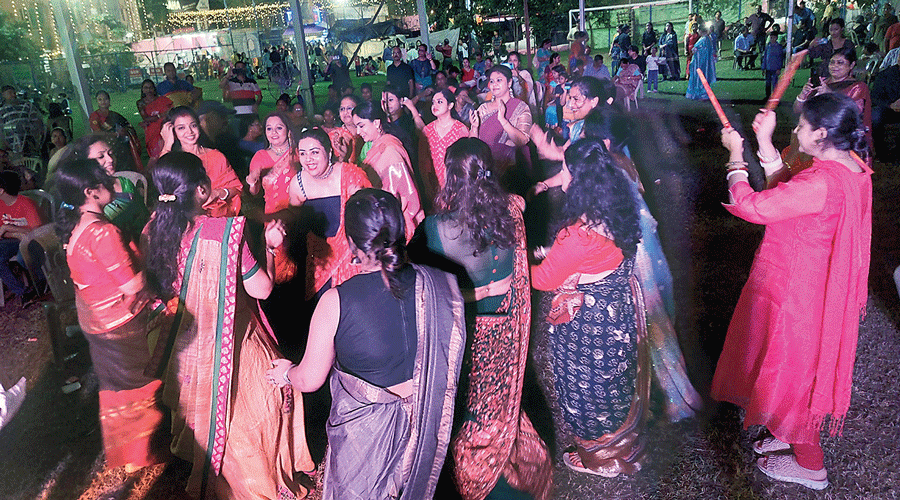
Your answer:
<point x="601" y="22"/>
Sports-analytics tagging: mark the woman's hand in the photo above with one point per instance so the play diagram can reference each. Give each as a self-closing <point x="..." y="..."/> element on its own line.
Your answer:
<point x="545" y="147"/>
<point x="342" y="148"/>
<point x="407" y="102"/>
<point x="733" y="141"/>
<point x="275" y="233"/>
<point x="474" y="122"/>
<point x="277" y="375"/>
<point x="168" y="135"/>
<point x="764" y="126"/>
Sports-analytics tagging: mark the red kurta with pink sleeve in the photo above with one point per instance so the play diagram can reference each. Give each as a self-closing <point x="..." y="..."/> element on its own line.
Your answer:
<point x="790" y="348"/>
<point x="577" y="249"/>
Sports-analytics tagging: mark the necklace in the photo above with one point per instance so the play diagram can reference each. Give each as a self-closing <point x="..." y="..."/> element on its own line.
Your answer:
<point x="279" y="151"/>
<point x="326" y="174"/>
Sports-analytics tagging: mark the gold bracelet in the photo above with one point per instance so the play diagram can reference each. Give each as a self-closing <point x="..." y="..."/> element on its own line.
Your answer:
<point x="743" y="165"/>
<point x="767" y="160"/>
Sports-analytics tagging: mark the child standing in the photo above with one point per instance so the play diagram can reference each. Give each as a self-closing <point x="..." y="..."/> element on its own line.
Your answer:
<point x="555" y="97"/>
<point x="653" y="61"/>
<point x="772" y="61"/>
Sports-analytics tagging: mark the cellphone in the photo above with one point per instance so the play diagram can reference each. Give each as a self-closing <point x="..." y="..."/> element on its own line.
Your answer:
<point x="814" y="77"/>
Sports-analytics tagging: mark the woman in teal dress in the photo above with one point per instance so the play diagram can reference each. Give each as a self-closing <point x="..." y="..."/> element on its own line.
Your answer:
<point x="127" y="211"/>
<point x="704" y="58"/>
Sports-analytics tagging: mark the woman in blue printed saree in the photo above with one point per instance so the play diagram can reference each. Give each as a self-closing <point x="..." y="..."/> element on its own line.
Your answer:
<point x="245" y="438"/>
<point x="392" y="338"/>
<point x="704" y="58"/>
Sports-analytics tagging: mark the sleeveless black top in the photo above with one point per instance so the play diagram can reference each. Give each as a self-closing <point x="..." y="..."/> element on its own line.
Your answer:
<point x="376" y="335"/>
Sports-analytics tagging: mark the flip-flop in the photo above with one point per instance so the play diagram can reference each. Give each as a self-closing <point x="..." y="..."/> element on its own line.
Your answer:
<point x="567" y="459"/>
<point x="785" y="468"/>
<point x="770" y="445"/>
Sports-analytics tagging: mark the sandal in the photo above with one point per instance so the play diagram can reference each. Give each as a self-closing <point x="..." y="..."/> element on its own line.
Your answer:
<point x="770" y="445"/>
<point x="785" y="468"/>
<point x="573" y="462"/>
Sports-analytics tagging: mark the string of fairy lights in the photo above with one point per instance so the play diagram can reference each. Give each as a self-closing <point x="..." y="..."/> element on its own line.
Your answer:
<point x="38" y="18"/>
<point x="235" y="17"/>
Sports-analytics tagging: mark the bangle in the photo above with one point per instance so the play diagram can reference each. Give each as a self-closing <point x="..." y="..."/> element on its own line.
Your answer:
<point x="730" y="165"/>
<point x="800" y="100"/>
<point x="227" y="192"/>
<point x="767" y="160"/>
<point x="736" y="171"/>
<point x="271" y="250"/>
<point x="285" y="376"/>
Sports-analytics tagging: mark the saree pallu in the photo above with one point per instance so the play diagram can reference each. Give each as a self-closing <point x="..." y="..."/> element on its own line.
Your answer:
<point x="276" y="184"/>
<point x="389" y="168"/>
<point x="244" y="437"/>
<point x="153" y="132"/>
<point x="491" y="132"/>
<point x="130" y="415"/>
<point x="382" y="446"/>
<point x="602" y="373"/>
<point x="329" y="258"/>
<point x="497" y="438"/>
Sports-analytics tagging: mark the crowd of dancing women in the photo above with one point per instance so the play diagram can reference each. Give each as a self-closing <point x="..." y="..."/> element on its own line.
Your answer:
<point x="388" y="257"/>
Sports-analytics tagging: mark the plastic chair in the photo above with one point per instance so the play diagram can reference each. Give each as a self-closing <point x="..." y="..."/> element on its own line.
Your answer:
<point x="44" y="242"/>
<point x="44" y="201"/>
<point x="33" y="164"/>
<point x="634" y="96"/>
<point x="140" y="182"/>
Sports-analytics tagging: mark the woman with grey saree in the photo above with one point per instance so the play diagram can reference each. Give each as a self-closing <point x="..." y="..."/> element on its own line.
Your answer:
<point x="392" y="338"/>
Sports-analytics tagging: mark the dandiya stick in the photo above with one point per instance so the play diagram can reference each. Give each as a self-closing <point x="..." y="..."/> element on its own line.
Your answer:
<point x="785" y="80"/>
<point x="712" y="98"/>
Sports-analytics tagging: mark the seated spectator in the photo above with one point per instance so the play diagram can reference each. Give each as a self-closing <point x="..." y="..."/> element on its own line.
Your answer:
<point x="19" y="216"/>
<point x="745" y="50"/>
<point x="597" y="69"/>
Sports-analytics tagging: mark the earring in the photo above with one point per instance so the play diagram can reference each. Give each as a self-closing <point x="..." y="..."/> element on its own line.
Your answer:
<point x="355" y="260"/>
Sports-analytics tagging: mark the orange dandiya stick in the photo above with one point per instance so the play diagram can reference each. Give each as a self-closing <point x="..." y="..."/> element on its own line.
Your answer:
<point x="785" y="80"/>
<point x="712" y="98"/>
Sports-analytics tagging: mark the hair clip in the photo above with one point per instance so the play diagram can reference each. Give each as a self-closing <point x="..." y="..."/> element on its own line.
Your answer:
<point x="165" y="198"/>
<point x="66" y="206"/>
<point x="483" y="173"/>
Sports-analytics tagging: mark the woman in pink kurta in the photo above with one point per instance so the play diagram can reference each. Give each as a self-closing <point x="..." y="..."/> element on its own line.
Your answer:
<point x="790" y="348"/>
<point x="436" y="137"/>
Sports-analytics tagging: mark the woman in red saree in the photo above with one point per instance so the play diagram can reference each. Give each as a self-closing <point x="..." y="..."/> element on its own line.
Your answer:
<point x="387" y="164"/>
<point x="840" y="80"/>
<point x="106" y="120"/>
<point x="789" y="352"/>
<point x="153" y="109"/>
<point x="245" y="438"/>
<point x="345" y="142"/>
<point x="182" y="132"/>
<point x="112" y="312"/>
<point x="323" y="186"/>
<point x="273" y="168"/>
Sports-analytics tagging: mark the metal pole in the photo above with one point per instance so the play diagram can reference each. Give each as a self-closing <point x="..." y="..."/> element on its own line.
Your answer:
<point x="228" y="20"/>
<point x="423" y="22"/>
<point x="303" y="59"/>
<point x="580" y="15"/>
<point x="790" y="28"/>
<point x="527" y="33"/>
<point x="73" y="58"/>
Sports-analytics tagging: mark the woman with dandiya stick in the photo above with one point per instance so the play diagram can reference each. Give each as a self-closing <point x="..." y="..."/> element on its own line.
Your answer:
<point x="789" y="351"/>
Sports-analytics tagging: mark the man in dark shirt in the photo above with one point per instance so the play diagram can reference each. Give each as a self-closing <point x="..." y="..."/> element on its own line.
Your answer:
<point x="338" y="72"/>
<point x="423" y="67"/>
<point x="759" y="23"/>
<point x="717" y="30"/>
<point x="401" y="74"/>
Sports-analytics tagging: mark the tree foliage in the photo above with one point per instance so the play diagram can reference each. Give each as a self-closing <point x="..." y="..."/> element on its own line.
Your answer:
<point x="15" y="44"/>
